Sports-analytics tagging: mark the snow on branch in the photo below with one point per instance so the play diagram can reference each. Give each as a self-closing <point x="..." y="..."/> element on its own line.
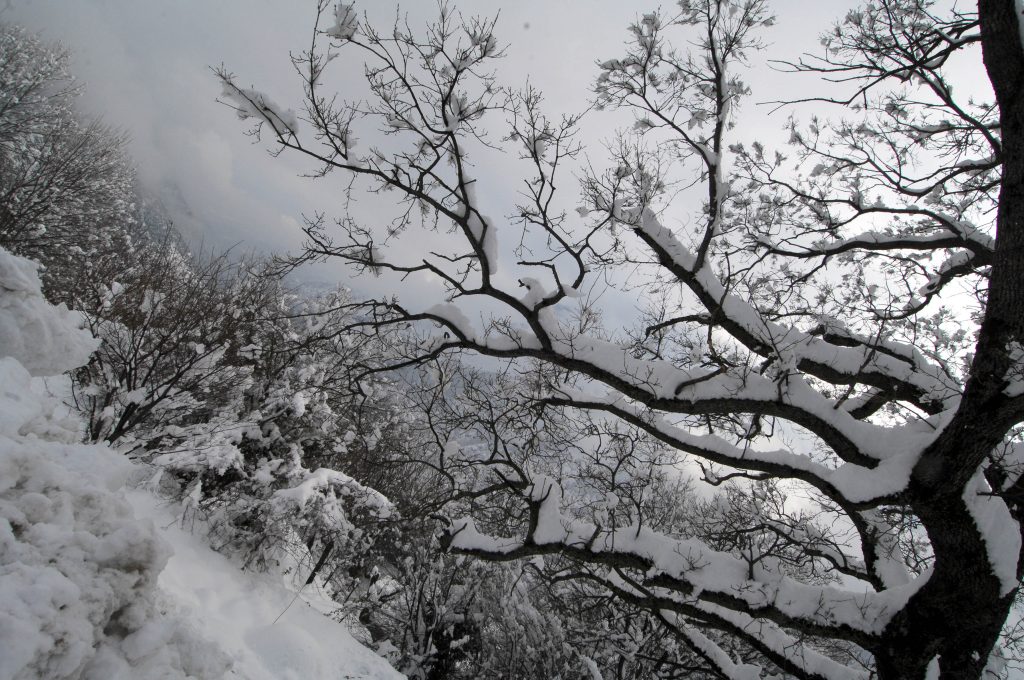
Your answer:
<point x="782" y="315"/>
<point x="686" y="572"/>
<point x="250" y="103"/>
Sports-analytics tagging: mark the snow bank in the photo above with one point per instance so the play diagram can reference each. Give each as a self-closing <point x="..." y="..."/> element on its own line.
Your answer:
<point x="46" y="340"/>
<point x="77" y="570"/>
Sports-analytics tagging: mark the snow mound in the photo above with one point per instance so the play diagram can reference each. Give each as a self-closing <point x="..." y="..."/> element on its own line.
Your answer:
<point x="77" y="570"/>
<point x="46" y="340"/>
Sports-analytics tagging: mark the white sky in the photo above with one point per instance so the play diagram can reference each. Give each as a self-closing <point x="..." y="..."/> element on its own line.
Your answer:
<point x="146" y="65"/>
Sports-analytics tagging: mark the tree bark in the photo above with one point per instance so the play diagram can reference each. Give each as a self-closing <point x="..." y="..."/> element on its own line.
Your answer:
<point x="959" y="612"/>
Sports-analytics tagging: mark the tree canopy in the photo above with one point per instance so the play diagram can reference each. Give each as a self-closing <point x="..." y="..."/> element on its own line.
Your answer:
<point x="834" y="337"/>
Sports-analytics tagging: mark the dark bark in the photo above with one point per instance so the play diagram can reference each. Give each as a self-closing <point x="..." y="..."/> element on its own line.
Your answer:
<point x="958" y="614"/>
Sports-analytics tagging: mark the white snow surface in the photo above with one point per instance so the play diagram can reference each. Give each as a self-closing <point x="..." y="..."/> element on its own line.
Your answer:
<point x="78" y="595"/>
<point x="46" y="340"/>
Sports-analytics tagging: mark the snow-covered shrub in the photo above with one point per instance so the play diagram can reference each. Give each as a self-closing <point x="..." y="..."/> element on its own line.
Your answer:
<point x="277" y="514"/>
<point x="259" y="466"/>
<point x="173" y="328"/>
<point x="77" y="571"/>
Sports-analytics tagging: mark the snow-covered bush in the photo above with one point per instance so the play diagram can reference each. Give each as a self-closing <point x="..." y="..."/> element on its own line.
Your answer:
<point x="77" y="571"/>
<point x="173" y="327"/>
<point x="258" y="459"/>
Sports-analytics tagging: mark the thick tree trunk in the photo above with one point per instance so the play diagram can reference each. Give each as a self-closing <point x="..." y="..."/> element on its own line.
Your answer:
<point x="984" y="413"/>
<point x="1004" y="61"/>
<point x="958" y="614"/>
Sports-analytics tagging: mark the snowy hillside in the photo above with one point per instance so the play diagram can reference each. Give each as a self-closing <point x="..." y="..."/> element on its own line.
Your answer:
<point x="98" y="582"/>
<point x="238" y="610"/>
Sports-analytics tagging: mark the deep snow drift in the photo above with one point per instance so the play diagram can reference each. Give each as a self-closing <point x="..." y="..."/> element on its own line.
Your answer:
<point x="90" y="585"/>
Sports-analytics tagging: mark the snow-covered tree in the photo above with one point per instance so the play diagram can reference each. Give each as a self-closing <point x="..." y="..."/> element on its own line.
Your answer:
<point x="844" y="323"/>
<point x="66" y="187"/>
<point x="174" y="330"/>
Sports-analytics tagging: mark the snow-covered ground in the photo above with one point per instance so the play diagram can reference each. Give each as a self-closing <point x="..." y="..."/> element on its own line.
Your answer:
<point x="97" y="581"/>
<point x="237" y="610"/>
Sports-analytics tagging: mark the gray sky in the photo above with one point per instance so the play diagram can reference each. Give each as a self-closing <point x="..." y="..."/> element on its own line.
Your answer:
<point x="146" y="64"/>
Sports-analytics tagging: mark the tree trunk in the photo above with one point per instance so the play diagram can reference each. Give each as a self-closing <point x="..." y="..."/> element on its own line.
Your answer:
<point x="956" y="617"/>
<point x="958" y="613"/>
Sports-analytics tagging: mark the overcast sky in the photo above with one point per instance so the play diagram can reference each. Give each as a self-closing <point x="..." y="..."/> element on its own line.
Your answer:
<point x="146" y="65"/>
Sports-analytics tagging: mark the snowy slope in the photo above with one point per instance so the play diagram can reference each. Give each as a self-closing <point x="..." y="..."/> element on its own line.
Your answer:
<point x="237" y="610"/>
<point x="89" y="586"/>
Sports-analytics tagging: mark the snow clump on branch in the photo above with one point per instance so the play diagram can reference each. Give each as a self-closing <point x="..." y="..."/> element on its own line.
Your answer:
<point x="250" y="103"/>
<point x="346" y="22"/>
